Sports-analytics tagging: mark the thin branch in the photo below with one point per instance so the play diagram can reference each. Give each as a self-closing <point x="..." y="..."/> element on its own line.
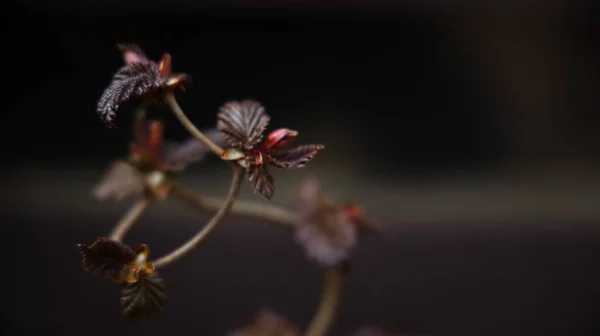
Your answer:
<point x="332" y="290"/>
<point x="132" y="215"/>
<point x="257" y="210"/>
<point x="170" y="100"/>
<point x="212" y="223"/>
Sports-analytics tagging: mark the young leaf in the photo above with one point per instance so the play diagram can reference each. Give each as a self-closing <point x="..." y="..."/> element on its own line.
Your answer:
<point x="327" y="242"/>
<point x="296" y="157"/>
<point x="324" y="231"/>
<point x="120" y="181"/>
<point x="131" y="81"/>
<point x="105" y="257"/>
<point x="145" y="298"/>
<point x="261" y="180"/>
<point x="242" y="123"/>
<point x="279" y="138"/>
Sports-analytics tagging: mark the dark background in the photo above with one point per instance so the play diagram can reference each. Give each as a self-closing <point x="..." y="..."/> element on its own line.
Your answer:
<point x="469" y="128"/>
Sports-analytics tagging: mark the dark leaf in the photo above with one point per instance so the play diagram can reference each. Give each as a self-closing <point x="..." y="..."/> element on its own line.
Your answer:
<point x="131" y="81"/>
<point x="145" y="298"/>
<point x="178" y="155"/>
<point x="296" y="157"/>
<point x="105" y="257"/>
<point x="120" y="181"/>
<point x="324" y="231"/>
<point x="327" y="237"/>
<point x="242" y="123"/>
<point x="261" y="180"/>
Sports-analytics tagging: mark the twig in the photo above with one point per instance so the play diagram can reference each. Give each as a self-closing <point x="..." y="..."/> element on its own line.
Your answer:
<point x="332" y="289"/>
<point x="212" y="223"/>
<point x="263" y="211"/>
<point x="170" y="100"/>
<point x="130" y="218"/>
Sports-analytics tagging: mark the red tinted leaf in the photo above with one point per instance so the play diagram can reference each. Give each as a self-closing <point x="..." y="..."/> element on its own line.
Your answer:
<point x="132" y="53"/>
<point x="105" y="257"/>
<point x="122" y="180"/>
<point x="327" y="246"/>
<point x="144" y="298"/>
<point x="324" y="231"/>
<point x="242" y="123"/>
<point x="131" y="81"/>
<point x="296" y="157"/>
<point x="327" y="238"/>
<point x="261" y="180"/>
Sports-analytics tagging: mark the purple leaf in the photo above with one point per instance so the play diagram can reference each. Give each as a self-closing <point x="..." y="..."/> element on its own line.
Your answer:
<point x="261" y="180"/>
<point x="328" y="238"/>
<point x="120" y="181"/>
<point x="324" y="231"/>
<point x="105" y="257"/>
<point x="131" y="81"/>
<point x="144" y="298"/>
<point x="296" y="157"/>
<point x="242" y="123"/>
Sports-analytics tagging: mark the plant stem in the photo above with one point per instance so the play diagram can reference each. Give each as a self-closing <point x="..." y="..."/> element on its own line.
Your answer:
<point x="263" y="211"/>
<point x="170" y="100"/>
<point x="212" y="223"/>
<point x="130" y="218"/>
<point x="332" y="290"/>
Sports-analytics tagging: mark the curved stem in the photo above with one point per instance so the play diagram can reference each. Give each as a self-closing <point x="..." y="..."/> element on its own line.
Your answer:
<point x="212" y="223"/>
<point x="263" y="211"/>
<point x="170" y="100"/>
<point x="332" y="290"/>
<point x="130" y="218"/>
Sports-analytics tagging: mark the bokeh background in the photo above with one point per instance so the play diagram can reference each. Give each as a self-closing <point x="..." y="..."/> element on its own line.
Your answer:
<point x="468" y="128"/>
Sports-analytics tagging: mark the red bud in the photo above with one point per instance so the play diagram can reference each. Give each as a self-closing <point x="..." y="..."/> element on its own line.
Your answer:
<point x="164" y="67"/>
<point x="353" y="212"/>
<point x="279" y="137"/>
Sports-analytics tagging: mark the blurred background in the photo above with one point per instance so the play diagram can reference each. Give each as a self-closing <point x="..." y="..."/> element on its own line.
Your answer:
<point x="469" y="128"/>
